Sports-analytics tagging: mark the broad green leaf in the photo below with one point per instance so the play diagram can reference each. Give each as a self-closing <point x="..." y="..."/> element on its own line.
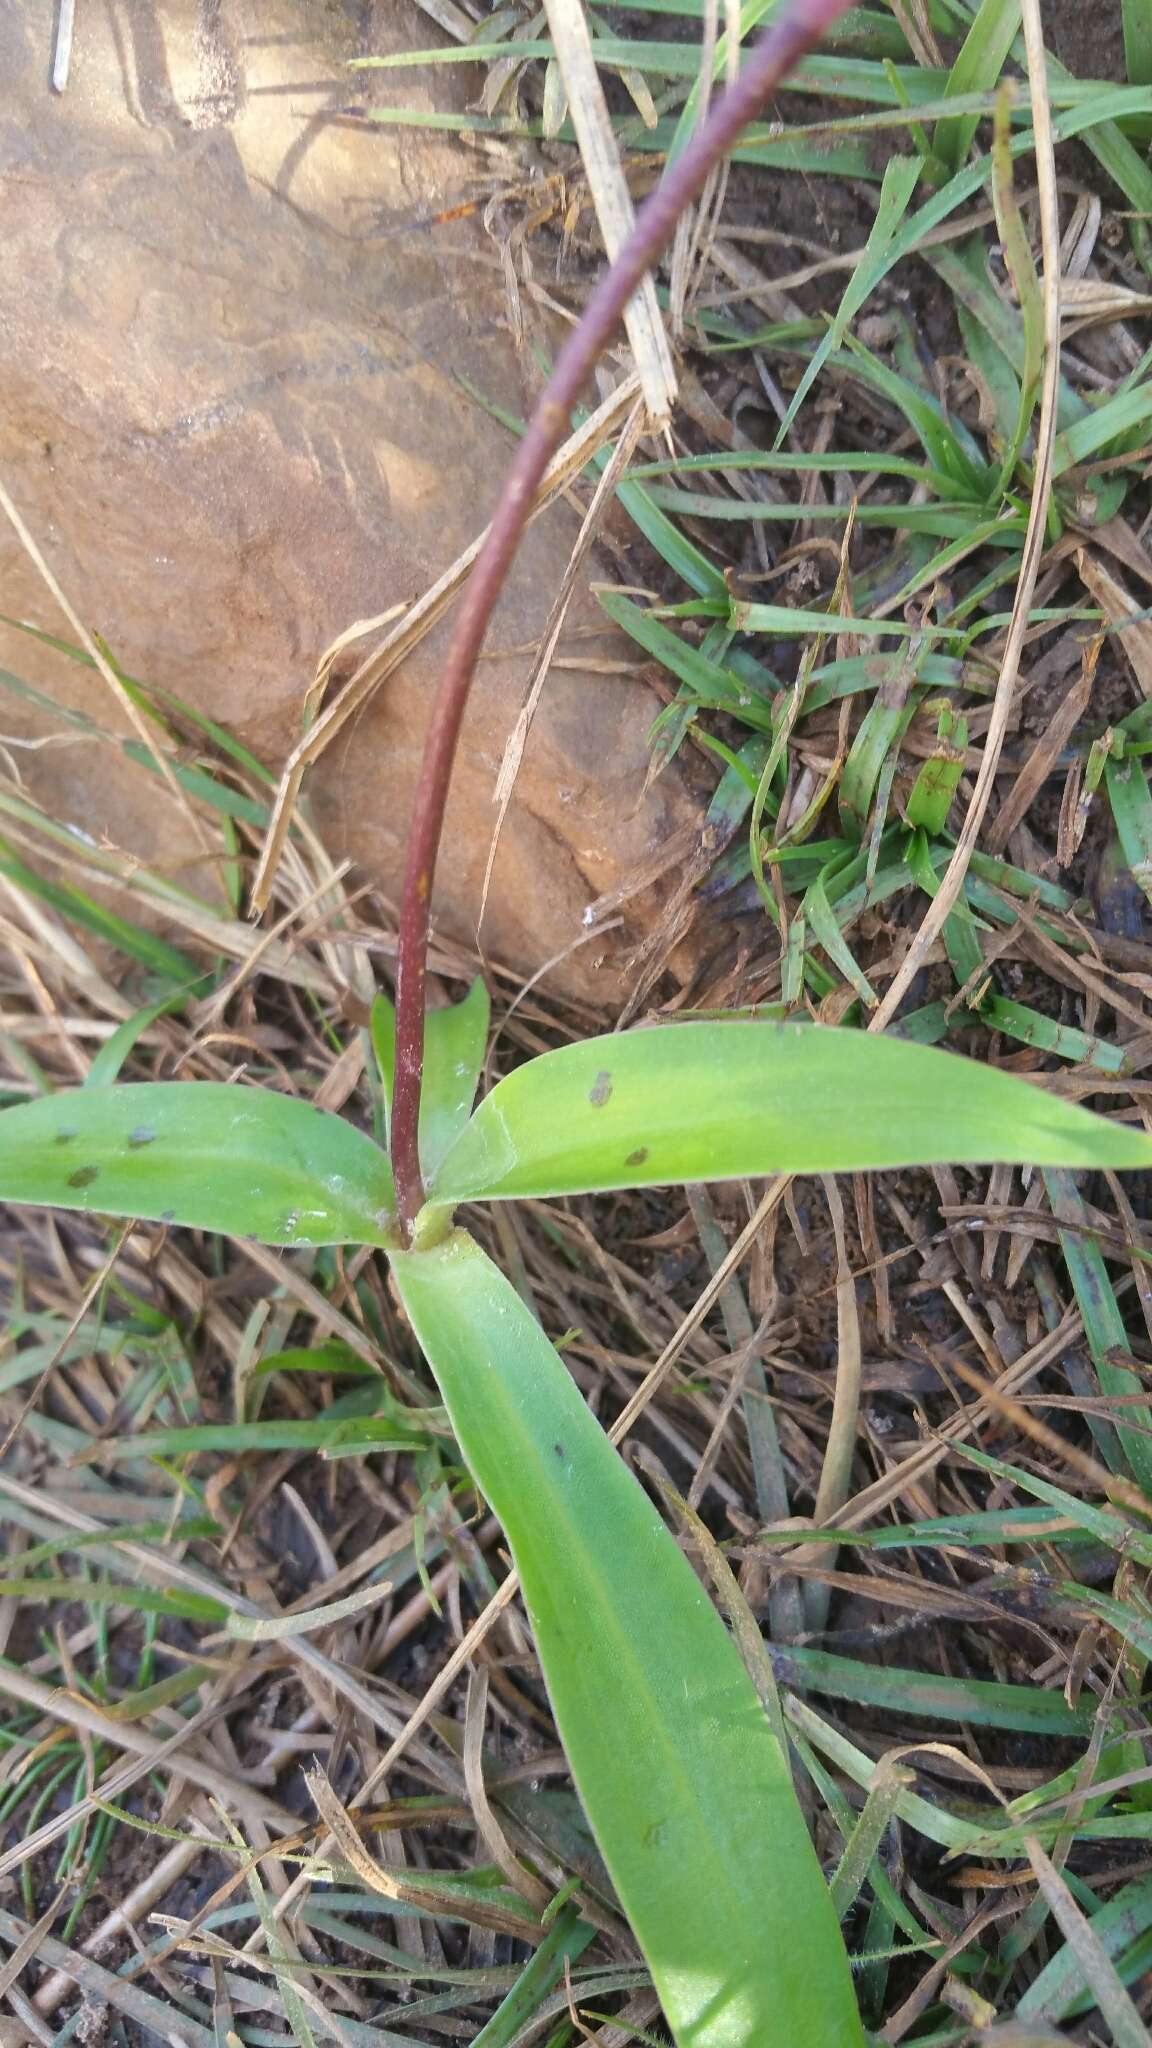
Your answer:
<point x="455" y="1039"/>
<point x="708" y="1101"/>
<point x="687" y="1791"/>
<point x="240" y="1160"/>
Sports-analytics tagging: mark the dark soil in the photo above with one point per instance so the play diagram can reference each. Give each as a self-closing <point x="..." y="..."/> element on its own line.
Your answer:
<point x="1087" y="36"/>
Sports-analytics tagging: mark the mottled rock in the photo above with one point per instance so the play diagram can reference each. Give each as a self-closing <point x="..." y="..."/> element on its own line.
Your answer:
<point x="231" y="415"/>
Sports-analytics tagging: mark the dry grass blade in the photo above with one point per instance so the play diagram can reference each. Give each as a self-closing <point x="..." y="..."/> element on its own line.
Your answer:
<point x="490" y="1831"/>
<point x="99" y="1281"/>
<point x="741" y="1619"/>
<point x="1045" y="755"/>
<point x="421" y="1888"/>
<point x="654" y="1379"/>
<point x="450" y="17"/>
<point x="913" y="18"/>
<point x="168" y="1570"/>
<point x="1133" y="629"/>
<point x="105" y="1990"/>
<point x="27" y="1949"/>
<point x="358" y="630"/>
<point x="433" y="1697"/>
<point x="952" y="881"/>
<point x="62" y="53"/>
<point x="840" y="1448"/>
<point x="125" y="1914"/>
<point x="611" y="198"/>
<point x="148" y="1753"/>
<point x="1099" y="1972"/>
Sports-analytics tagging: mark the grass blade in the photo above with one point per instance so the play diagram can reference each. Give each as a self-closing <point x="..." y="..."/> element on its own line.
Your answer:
<point x="455" y="1039"/>
<point x="900" y="181"/>
<point x="1119" y="2013"/>
<point x="977" y="69"/>
<point x="1103" y="1322"/>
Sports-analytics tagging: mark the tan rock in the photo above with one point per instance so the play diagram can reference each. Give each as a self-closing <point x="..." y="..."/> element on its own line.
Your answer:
<point x="231" y="417"/>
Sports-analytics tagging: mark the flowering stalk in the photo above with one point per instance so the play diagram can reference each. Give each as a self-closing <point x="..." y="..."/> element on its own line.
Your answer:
<point x="801" y="25"/>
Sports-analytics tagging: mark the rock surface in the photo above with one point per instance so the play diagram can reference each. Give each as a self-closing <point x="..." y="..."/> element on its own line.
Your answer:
<point x="231" y="418"/>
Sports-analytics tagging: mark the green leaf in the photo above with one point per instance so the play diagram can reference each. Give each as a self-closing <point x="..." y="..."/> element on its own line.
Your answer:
<point x="240" y="1160"/>
<point x="118" y="932"/>
<point x="1103" y="1323"/>
<point x="324" y="1433"/>
<point x="930" y="799"/>
<point x="334" y="1357"/>
<point x="566" y="1939"/>
<point x="827" y="931"/>
<point x="105" y="1068"/>
<point x="710" y="681"/>
<point x="1137" y="18"/>
<point x="1131" y="802"/>
<point x="455" y="1040"/>
<point x="106" y="1593"/>
<point x="707" y="1101"/>
<point x="901" y="177"/>
<point x="881" y="729"/>
<point x="1065" y="1041"/>
<point x="980" y="1702"/>
<point x="687" y="1791"/>
<point x="977" y="68"/>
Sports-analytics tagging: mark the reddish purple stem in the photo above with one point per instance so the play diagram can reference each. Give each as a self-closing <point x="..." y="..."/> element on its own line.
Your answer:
<point x="798" y="29"/>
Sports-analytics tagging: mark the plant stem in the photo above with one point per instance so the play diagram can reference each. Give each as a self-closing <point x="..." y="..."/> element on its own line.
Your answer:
<point x="795" y="32"/>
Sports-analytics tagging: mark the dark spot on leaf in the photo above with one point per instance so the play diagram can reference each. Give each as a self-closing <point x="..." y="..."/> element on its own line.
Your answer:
<point x="654" y="1834"/>
<point x="83" y="1176"/>
<point x="141" y="1136"/>
<point x="600" y="1090"/>
<point x="637" y="1157"/>
<point x="65" y="1136"/>
<point x="559" y="1450"/>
